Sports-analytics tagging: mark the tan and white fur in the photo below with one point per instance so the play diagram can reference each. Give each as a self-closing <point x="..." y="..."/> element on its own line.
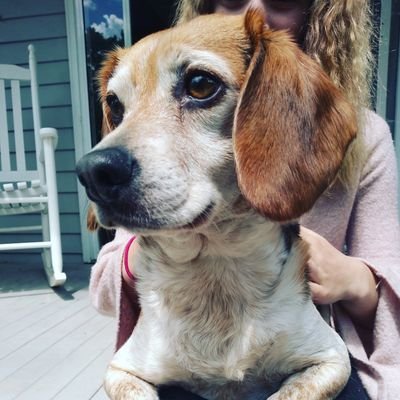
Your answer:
<point x="213" y="194"/>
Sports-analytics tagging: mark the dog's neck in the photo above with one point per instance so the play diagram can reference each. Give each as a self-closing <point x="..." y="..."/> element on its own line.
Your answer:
<point x="235" y="236"/>
<point x="233" y="264"/>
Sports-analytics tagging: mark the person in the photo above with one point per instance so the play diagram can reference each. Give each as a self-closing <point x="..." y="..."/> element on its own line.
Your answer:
<point x="353" y="229"/>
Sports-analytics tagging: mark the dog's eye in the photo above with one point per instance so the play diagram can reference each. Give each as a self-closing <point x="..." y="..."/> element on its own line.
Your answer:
<point x="116" y="108"/>
<point x="202" y="86"/>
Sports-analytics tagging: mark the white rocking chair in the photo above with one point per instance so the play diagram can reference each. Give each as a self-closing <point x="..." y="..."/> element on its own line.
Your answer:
<point x="25" y="190"/>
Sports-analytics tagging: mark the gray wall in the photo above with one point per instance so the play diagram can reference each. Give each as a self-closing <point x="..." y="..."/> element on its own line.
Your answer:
<point x="43" y="24"/>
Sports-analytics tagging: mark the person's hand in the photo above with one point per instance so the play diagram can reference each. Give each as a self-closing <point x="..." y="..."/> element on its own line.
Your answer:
<point x="334" y="277"/>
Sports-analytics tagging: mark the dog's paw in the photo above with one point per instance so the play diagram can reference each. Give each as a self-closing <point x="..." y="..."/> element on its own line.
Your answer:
<point x="121" y="385"/>
<point x="285" y="395"/>
<point x="288" y="393"/>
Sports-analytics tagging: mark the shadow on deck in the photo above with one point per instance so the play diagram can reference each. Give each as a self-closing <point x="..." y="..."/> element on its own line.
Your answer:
<point x="16" y="278"/>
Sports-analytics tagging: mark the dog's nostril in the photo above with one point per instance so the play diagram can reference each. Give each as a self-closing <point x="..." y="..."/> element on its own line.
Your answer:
<point x="112" y="171"/>
<point x="105" y="171"/>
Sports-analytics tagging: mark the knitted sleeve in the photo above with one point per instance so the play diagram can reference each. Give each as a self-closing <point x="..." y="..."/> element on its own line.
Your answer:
<point x="105" y="280"/>
<point x="374" y="236"/>
<point x="373" y="232"/>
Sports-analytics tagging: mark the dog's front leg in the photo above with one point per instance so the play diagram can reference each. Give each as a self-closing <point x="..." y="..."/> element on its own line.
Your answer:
<point x="122" y="385"/>
<point x="142" y="364"/>
<point x="319" y="382"/>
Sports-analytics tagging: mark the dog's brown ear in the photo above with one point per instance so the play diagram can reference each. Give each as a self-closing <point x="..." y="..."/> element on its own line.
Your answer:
<point x="292" y="126"/>
<point x="105" y="73"/>
<point x="103" y="76"/>
<point x="91" y="220"/>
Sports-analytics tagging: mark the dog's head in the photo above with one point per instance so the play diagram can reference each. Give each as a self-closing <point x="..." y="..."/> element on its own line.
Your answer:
<point x="207" y="112"/>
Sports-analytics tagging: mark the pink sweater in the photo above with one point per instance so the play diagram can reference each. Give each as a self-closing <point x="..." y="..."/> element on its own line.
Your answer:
<point x="363" y="219"/>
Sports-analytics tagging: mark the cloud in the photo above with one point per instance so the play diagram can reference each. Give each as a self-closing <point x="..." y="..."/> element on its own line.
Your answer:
<point x="113" y="26"/>
<point x="89" y="4"/>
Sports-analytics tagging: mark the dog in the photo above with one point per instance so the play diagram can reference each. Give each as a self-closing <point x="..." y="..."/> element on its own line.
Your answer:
<point x="222" y="133"/>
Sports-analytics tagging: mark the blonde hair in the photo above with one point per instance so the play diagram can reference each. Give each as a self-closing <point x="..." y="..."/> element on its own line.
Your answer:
<point x="338" y="37"/>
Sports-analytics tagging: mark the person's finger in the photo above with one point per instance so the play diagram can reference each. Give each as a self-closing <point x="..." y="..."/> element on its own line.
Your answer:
<point x="306" y="234"/>
<point x="313" y="272"/>
<point x="318" y="293"/>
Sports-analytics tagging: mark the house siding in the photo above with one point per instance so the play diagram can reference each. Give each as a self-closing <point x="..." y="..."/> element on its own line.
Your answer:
<point x="42" y="23"/>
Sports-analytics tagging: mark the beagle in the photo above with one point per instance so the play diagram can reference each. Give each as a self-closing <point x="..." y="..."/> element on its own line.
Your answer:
<point x="222" y="133"/>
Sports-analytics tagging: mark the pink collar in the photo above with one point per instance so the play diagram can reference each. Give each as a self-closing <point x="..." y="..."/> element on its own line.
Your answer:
<point x="126" y="264"/>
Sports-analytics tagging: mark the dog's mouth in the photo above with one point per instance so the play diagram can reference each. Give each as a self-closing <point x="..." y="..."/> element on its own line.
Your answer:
<point x="111" y="218"/>
<point x="201" y="219"/>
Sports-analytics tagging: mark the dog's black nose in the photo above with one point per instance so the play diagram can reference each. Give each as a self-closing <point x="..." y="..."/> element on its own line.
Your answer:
<point x="105" y="172"/>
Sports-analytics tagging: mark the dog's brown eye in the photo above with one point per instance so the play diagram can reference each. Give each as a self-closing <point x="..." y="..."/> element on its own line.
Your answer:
<point x="116" y="108"/>
<point x="202" y="86"/>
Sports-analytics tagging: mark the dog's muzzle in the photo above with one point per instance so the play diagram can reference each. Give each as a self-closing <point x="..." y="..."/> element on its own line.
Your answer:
<point x="106" y="174"/>
<point x="113" y="179"/>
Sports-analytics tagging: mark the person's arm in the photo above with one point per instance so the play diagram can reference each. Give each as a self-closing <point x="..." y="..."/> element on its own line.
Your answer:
<point x="351" y="281"/>
<point x="373" y="235"/>
<point x="105" y="280"/>
<point x="110" y="292"/>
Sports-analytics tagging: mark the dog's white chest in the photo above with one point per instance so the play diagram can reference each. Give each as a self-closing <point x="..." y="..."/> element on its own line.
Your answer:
<point x="212" y="319"/>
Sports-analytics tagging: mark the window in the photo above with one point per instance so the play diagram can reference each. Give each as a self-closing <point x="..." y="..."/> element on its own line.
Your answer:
<point x="104" y="30"/>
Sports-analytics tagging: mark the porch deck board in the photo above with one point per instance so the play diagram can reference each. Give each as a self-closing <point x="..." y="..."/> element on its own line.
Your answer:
<point x="53" y="343"/>
<point x="100" y="395"/>
<point x="38" y="322"/>
<point x="12" y="311"/>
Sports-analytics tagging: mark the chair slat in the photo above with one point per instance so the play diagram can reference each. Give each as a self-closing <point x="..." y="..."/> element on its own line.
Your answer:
<point x="22" y="185"/>
<point x="4" y="142"/>
<point x="8" y="209"/>
<point x="9" y="71"/>
<point x="12" y="176"/>
<point x="35" y="108"/>
<point x="24" y="200"/>
<point x="18" y="130"/>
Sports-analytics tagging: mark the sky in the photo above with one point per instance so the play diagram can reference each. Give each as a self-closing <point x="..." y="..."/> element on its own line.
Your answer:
<point x="105" y="16"/>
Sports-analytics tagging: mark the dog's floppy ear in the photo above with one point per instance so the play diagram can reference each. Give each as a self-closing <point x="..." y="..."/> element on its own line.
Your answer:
<point x="105" y="73"/>
<point x="292" y="126"/>
<point x="91" y="220"/>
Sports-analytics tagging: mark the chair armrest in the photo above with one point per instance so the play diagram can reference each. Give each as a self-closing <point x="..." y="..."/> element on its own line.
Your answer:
<point x="49" y="138"/>
<point x="49" y="133"/>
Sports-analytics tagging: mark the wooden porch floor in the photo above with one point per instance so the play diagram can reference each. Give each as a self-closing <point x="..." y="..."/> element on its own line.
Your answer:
<point x="53" y="343"/>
